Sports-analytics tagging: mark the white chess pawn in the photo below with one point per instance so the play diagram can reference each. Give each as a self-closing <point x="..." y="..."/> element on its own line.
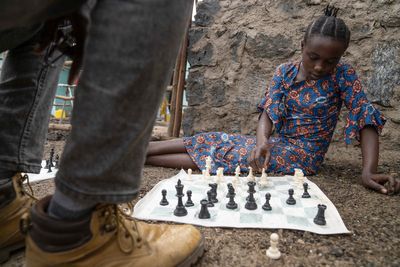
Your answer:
<point x="250" y="177"/>
<point x="263" y="182"/>
<point x="273" y="251"/>
<point x="237" y="171"/>
<point x="189" y="177"/>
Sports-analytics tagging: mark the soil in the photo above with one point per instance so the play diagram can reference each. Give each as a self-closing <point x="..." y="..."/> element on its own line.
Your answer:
<point x="372" y="218"/>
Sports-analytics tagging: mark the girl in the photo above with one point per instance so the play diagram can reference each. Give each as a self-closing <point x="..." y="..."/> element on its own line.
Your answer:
<point x="303" y="104"/>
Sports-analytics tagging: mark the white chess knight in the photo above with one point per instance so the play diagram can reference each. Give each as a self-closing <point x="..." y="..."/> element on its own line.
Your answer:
<point x="250" y="177"/>
<point x="273" y="251"/>
<point x="235" y="180"/>
<point x="263" y="182"/>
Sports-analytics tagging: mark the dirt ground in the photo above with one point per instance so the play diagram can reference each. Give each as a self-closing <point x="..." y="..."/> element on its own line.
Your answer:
<point x="372" y="218"/>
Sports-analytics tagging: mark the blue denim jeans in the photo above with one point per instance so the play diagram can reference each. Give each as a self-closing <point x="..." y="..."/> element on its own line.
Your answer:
<point x="129" y="54"/>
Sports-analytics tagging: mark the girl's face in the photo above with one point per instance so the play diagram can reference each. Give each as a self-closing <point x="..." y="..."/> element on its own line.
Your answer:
<point x="320" y="56"/>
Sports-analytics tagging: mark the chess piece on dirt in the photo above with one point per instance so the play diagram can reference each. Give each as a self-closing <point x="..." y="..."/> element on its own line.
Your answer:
<point x="273" y="251"/>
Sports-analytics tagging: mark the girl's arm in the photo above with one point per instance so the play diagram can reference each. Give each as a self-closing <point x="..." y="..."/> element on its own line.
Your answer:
<point x="260" y="155"/>
<point x="370" y="153"/>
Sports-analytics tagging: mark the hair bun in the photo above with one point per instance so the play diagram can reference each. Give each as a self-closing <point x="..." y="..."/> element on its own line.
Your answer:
<point x="331" y="11"/>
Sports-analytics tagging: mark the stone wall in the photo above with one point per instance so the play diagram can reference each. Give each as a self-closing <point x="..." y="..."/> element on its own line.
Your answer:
<point x="235" y="46"/>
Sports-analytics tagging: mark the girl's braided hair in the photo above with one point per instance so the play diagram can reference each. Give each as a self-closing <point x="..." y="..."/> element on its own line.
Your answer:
<point x="330" y="26"/>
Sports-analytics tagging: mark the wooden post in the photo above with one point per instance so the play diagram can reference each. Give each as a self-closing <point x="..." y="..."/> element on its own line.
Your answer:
<point x="178" y="85"/>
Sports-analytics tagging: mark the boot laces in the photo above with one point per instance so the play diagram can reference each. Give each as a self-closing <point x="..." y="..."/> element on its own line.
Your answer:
<point x="23" y="191"/>
<point x="126" y="226"/>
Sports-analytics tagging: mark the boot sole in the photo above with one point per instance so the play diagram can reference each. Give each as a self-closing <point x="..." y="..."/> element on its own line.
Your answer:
<point x="6" y="252"/>
<point x="195" y="256"/>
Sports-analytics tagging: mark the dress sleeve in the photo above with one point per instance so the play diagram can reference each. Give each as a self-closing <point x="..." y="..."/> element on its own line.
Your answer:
<point x="272" y="102"/>
<point x="361" y="111"/>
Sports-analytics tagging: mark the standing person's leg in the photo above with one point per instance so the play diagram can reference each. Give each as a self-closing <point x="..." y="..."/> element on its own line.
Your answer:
<point x="129" y="56"/>
<point x="27" y="88"/>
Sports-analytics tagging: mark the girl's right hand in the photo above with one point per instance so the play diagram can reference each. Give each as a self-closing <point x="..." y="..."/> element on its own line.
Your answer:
<point x="259" y="157"/>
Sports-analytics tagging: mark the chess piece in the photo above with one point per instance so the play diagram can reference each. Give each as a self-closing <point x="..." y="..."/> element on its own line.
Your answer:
<point x="230" y="187"/>
<point x="204" y="213"/>
<point x="273" y="251"/>
<point x="204" y="174"/>
<point x="189" y="202"/>
<point x="232" y="204"/>
<point x="57" y="161"/>
<point x="251" y="202"/>
<point x="209" y="197"/>
<point x="180" y="209"/>
<point x="164" y="201"/>
<point x="305" y="194"/>
<point x="47" y="164"/>
<point x="189" y="177"/>
<point x="251" y="185"/>
<point x="220" y="175"/>
<point x="263" y="182"/>
<point x="51" y="158"/>
<point x="291" y="200"/>
<point x="214" y="193"/>
<point x="267" y="206"/>
<point x="50" y="170"/>
<point x="250" y="176"/>
<point x="320" y="218"/>
<point x="237" y="171"/>
<point x="208" y="164"/>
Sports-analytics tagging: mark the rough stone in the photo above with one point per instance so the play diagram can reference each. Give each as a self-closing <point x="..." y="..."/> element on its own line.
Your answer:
<point x="385" y="72"/>
<point x="264" y="46"/>
<point x="205" y="12"/>
<point x="196" y="33"/>
<point x="201" y="57"/>
<point x="217" y="93"/>
<point x="196" y="88"/>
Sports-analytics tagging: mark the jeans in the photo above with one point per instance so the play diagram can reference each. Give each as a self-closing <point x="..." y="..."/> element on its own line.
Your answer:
<point x="128" y="58"/>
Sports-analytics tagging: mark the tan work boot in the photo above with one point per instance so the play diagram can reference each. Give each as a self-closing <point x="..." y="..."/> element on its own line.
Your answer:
<point x="14" y="202"/>
<point x="108" y="238"/>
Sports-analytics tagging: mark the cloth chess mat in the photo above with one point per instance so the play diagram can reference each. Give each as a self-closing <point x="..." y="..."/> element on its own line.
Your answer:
<point x="282" y="216"/>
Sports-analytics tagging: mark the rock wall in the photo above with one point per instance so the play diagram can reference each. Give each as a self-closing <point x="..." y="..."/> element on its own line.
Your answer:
<point x="235" y="46"/>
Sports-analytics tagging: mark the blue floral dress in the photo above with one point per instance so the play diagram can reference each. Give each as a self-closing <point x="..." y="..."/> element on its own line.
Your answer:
<point x="304" y="114"/>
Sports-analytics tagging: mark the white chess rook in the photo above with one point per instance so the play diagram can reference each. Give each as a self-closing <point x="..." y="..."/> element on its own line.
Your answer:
<point x="273" y="251"/>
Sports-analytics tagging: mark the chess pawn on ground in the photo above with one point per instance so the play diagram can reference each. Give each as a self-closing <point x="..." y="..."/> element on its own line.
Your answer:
<point x="273" y="251"/>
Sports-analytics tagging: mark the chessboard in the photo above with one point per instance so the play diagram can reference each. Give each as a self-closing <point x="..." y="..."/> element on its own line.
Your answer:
<point x="303" y="215"/>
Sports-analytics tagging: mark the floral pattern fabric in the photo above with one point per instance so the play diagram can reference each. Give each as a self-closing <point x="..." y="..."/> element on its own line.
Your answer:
<point x="304" y="114"/>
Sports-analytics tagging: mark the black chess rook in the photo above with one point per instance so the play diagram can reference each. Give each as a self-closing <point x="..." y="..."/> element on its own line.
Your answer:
<point x="320" y="218"/>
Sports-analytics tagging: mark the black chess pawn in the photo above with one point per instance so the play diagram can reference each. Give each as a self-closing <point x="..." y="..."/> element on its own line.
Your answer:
<point x="213" y="191"/>
<point x="189" y="202"/>
<point x="320" y="218"/>
<point x="266" y="205"/>
<point x="164" y="201"/>
<point x="251" y="202"/>
<point x="204" y="213"/>
<point x="209" y="197"/>
<point x="57" y="161"/>
<point x="47" y="164"/>
<point x="232" y="204"/>
<point x="305" y="194"/>
<point x="291" y="200"/>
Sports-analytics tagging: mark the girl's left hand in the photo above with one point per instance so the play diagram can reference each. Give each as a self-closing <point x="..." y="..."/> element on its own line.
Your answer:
<point x="383" y="183"/>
